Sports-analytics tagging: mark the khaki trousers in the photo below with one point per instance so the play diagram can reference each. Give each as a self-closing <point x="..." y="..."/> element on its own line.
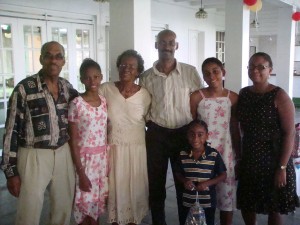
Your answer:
<point x="39" y="168"/>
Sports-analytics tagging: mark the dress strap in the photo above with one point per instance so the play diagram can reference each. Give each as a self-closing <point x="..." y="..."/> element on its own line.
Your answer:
<point x="201" y="93"/>
<point x="228" y="94"/>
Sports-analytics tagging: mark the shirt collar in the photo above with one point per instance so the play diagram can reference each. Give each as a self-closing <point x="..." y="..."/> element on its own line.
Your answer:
<point x="203" y="156"/>
<point x="177" y="68"/>
<point x="42" y="84"/>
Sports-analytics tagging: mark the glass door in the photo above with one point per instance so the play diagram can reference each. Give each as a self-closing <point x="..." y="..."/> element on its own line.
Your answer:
<point x="8" y="59"/>
<point x="77" y="40"/>
<point x="34" y="34"/>
<point x="20" y="45"/>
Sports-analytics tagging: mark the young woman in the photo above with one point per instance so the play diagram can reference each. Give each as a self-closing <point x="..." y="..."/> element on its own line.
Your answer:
<point x="217" y="107"/>
<point x="88" y="124"/>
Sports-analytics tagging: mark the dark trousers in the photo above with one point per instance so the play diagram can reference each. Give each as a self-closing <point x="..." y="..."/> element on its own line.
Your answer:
<point x="163" y="144"/>
<point x="209" y="215"/>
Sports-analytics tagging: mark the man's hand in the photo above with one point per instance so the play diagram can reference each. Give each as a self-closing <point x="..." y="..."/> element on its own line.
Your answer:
<point x="14" y="185"/>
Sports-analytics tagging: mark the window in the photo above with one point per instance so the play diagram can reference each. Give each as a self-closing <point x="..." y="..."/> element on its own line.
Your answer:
<point x="220" y="46"/>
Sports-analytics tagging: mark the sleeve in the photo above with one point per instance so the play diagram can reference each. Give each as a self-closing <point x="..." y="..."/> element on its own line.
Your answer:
<point x="102" y="89"/>
<point x="142" y="80"/>
<point x="73" y="111"/>
<point x="14" y="125"/>
<point x="219" y="166"/>
<point x="197" y="80"/>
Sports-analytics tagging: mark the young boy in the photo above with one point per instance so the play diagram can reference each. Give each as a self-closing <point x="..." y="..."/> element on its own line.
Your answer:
<point x="200" y="169"/>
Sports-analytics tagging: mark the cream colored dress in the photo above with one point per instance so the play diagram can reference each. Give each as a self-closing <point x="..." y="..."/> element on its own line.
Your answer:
<point x="128" y="178"/>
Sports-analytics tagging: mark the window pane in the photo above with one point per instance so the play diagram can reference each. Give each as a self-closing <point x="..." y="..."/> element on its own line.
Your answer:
<point x="78" y="38"/>
<point x="28" y="61"/>
<point x="55" y="34"/>
<point x="67" y="61"/>
<point x="79" y="58"/>
<point x="27" y="36"/>
<point x="63" y="37"/>
<point x="9" y="86"/>
<point x="60" y="35"/>
<point x="6" y="36"/>
<point x="86" y="39"/>
<point x="36" y="61"/>
<point x="86" y="54"/>
<point x="6" y="86"/>
<point x="37" y="37"/>
<point x="7" y="61"/>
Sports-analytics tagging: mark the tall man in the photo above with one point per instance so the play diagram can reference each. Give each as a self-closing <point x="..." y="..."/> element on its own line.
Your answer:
<point x="36" y="151"/>
<point x="170" y="83"/>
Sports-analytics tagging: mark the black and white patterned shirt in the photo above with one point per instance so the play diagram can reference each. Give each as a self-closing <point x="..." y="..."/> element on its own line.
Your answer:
<point x="35" y="119"/>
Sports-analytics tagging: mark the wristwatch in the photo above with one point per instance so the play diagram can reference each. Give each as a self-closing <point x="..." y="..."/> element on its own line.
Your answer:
<point x="282" y="167"/>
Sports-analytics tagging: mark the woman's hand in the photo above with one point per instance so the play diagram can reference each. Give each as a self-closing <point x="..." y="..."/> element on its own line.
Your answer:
<point x="280" y="178"/>
<point x="84" y="182"/>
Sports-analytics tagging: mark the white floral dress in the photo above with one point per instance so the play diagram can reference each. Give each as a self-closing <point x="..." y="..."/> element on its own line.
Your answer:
<point x="92" y="124"/>
<point x="216" y="112"/>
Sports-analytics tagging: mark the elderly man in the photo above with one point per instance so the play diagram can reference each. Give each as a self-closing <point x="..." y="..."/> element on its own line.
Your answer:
<point x="170" y="83"/>
<point x="36" y="152"/>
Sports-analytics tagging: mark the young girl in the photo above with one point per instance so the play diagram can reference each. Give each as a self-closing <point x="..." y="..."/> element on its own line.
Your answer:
<point x="200" y="169"/>
<point x="217" y="107"/>
<point x="87" y="124"/>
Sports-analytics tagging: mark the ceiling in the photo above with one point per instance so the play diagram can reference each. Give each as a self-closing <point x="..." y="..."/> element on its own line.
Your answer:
<point x="220" y="4"/>
<point x="266" y="16"/>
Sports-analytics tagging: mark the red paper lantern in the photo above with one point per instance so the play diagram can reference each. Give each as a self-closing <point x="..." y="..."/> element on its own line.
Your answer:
<point x="296" y="16"/>
<point x="250" y="2"/>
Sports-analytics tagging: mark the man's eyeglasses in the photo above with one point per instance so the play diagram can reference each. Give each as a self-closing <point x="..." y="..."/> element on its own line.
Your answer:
<point x="51" y="57"/>
<point x="127" y="66"/>
<point x="259" y="67"/>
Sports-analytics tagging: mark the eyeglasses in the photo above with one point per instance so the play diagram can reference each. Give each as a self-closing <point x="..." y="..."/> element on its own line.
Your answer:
<point x="259" y="67"/>
<point x="51" y="57"/>
<point x="127" y="66"/>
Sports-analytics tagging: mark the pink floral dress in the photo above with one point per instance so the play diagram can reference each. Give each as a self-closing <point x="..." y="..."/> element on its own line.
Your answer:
<point x="216" y="112"/>
<point x="92" y="124"/>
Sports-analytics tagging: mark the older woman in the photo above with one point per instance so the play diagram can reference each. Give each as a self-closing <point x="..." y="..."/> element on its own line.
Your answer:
<point x="267" y="176"/>
<point x="127" y="104"/>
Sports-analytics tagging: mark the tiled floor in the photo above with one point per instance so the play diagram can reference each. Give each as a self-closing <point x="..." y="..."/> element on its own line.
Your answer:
<point x="8" y="205"/>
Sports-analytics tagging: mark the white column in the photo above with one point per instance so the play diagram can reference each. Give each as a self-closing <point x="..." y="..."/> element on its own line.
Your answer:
<point x="237" y="21"/>
<point x="130" y="28"/>
<point x="285" y="49"/>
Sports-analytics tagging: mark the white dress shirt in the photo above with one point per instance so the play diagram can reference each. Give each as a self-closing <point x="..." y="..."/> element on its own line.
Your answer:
<point x="170" y="106"/>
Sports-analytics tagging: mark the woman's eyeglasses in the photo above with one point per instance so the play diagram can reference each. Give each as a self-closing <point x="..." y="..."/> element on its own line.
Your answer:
<point x="259" y="67"/>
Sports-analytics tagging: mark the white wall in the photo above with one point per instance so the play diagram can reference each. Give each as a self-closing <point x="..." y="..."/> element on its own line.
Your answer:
<point x="181" y="20"/>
